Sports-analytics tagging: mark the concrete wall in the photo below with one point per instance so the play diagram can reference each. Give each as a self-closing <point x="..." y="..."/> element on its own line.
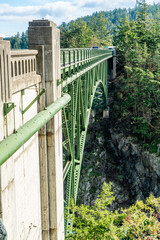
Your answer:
<point x="20" y="178"/>
<point x="32" y="203"/>
<point x="21" y="209"/>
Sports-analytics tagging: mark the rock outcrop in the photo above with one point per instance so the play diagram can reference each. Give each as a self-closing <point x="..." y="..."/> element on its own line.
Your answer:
<point x="142" y="169"/>
<point x="110" y="156"/>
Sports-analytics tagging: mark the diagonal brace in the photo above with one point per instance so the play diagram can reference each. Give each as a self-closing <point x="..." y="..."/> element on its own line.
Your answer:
<point x="34" y="100"/>
<point x="7" y="107"/>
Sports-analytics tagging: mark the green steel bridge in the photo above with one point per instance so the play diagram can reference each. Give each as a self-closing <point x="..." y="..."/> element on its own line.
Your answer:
<point x="84" y="76"/>
<point x="84" y="86"/>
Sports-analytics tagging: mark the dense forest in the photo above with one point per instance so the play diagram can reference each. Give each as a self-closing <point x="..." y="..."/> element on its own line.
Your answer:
<point x="100" y="28"/>
<point x="19" y="41"/>
<point x="138" y="95"/>
<point x="97" y="29"/>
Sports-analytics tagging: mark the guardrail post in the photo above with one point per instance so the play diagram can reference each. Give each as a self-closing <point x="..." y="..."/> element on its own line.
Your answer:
<point x="45" y="33"/>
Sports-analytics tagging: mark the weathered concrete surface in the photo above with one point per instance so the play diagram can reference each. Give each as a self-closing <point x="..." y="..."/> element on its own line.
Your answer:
<point x="5" y="71"/>
<point x="114" y="64"/>
<point x="20" y="180"/>
<point x="44" y="34"/>
<point x="23" y="69"/>
<point x="32" y="200"/>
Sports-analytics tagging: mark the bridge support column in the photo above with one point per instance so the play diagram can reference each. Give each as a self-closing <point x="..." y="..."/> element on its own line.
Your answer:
<point x="45" y="35"/>
<point x="114" y="64"/>
<point x="106" y="113"/>
<point x="92" y="117"/>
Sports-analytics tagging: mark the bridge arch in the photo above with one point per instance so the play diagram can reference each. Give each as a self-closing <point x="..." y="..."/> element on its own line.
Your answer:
<point x="100" y="98"/>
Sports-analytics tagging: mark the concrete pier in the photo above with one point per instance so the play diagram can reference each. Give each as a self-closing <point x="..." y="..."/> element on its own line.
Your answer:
<point x="45" y="34"/>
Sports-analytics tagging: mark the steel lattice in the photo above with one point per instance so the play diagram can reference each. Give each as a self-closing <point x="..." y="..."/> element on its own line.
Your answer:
<point x="84" y="75"/>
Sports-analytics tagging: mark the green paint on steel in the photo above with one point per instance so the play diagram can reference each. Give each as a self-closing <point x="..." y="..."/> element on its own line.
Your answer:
<point x="69" y="79"/>
<point x="84" y="74"/>
<point x="7" y="107"/>
<point x="34" y="100"/>
<point x="12" y="143"/>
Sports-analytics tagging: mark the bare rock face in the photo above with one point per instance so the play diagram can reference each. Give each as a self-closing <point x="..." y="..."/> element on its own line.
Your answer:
<point x="99" y="166"/>
<point x="111" y="157"/>
<point x="142" y="169"/>
<point x="3" y="232"/>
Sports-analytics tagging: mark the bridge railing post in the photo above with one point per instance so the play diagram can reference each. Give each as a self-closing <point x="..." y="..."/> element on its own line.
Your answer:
<point x="45" y="35"/>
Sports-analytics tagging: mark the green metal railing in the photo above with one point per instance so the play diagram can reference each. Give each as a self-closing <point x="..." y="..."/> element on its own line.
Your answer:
<point x="74" y="60"/>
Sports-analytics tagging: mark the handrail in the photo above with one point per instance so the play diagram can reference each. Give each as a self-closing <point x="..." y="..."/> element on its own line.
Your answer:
<point x="25" y="52"/>
<point x="88" y="59"/>
<point x="13" y="142"/>
<point x="75" y="55"/>
<point x="81" y="72"/>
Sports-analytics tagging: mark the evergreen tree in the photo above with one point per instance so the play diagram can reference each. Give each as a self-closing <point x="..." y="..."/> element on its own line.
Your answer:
<point x="19" y="41"/>
<point x="24" y="40"/>
<point x="138" y="48"/>
<point x="78" y="35"/>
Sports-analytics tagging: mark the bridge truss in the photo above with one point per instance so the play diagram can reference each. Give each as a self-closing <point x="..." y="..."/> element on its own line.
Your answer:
<point x="84" y="74"/>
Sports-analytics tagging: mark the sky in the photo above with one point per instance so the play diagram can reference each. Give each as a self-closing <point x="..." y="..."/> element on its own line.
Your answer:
<point x="15" y="14"/>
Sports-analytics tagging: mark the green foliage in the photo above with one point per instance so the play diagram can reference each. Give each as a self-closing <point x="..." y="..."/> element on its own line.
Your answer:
<point x="140" y="221"/>
<point x="138" y="47"/>
<point x="19" y="41"/>
<point x="98" y="24"/>
<point x="135" y="33"/>
<point x="104" y="24"/>
<point x="79" y="34"/>
<point x="99" y="28"/>
<point x="82" y="34"/>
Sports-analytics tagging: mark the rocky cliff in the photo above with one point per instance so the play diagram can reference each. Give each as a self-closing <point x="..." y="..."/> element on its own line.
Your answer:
<point x="111" y="156"/>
